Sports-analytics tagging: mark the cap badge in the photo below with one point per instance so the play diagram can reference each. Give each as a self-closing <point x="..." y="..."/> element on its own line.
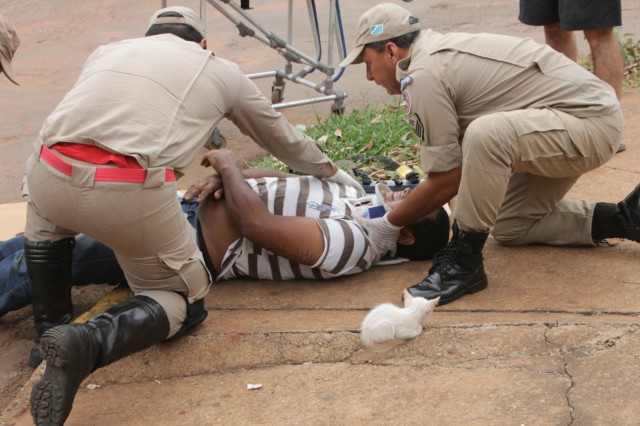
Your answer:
<point x="377" y="29"/>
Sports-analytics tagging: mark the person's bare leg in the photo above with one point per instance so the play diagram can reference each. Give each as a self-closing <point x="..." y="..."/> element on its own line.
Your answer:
<point x="608" y="64"/>
<point x="561" y="40"/>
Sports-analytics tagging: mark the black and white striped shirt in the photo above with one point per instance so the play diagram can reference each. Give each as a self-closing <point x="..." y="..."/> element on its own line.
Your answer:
<point x="346" y="245"/>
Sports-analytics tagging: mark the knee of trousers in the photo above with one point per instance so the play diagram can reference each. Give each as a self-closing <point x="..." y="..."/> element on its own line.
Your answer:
<point x="181" y="314"/>
<point x="196" y="313"/>
<point x="187" y="275"/>
<point x="509" y="233"/>
<point x="176" y="302"/>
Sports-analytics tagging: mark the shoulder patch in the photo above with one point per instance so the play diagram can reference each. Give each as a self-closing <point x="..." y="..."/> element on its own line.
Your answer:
<point x="405" y="80"/>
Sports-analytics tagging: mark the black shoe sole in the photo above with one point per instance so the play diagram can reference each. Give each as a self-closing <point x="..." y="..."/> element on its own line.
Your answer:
<point x="51" y="403"/>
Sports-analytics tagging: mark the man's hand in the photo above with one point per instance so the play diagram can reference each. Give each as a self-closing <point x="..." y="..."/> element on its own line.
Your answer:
<point x="218" y="159"/>
<point x="204" y="187"/>
<point x="343" y="178"/>
<point x="383" y="235"/>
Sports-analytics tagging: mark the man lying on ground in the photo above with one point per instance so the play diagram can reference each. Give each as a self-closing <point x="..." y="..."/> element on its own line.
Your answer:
<point x="237" y="252"/>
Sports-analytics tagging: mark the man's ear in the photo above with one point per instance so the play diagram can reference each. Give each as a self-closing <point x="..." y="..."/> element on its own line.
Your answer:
<point x="203" y="43"/>
<point x="406" y="237"/>
<point x="391" y="49"/>
<point x="395" y="52"/>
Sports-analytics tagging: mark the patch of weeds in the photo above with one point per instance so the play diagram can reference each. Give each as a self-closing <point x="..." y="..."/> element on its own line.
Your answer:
<point x="359" y="137"/>
<point x="631" y="57"/>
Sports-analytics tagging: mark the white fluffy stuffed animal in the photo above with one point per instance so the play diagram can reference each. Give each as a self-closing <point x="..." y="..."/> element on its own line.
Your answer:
<point x="387" y="321"/>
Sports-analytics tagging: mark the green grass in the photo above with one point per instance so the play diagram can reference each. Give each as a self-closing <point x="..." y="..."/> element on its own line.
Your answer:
<point x="357" y="138"/>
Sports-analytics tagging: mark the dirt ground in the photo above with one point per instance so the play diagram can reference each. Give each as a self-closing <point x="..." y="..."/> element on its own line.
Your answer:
<point x="57" y="35"/>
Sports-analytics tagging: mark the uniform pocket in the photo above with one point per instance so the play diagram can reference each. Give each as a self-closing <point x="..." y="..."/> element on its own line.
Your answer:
<point x="192" y="271"/>
<point x="542" y="134"/>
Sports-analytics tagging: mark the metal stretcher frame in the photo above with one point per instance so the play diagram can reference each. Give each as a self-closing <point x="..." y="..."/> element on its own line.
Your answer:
<point x="247" y="25"/>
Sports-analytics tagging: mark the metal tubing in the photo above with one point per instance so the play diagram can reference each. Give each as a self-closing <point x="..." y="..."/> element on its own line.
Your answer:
<point x="286" y="49"/>
<point x="306" y="101"/>
<point x="271" y="37"/>
<point x="262" y="74"/>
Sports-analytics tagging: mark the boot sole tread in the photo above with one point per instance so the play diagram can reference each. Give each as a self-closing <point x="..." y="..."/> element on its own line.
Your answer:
<point x="45" y="397"/>
<point x="50" y="405"/>
<point x="52" y="349"/>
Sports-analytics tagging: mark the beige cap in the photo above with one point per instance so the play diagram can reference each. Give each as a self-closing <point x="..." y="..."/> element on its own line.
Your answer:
<point x="9" y="42"/>
<point x="382" y="22"/>
<point x="186" y="16"/>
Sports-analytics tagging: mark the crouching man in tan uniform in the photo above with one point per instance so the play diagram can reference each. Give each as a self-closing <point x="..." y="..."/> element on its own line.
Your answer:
<point x="105" y="164"/>
<point x="506" y="124"/>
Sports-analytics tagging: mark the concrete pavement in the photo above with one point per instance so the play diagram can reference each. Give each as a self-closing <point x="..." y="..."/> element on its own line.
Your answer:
<point x="552" y="341"/>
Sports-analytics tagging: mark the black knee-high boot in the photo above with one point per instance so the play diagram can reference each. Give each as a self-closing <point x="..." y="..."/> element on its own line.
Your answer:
<point x="74" y="351"/>
<point x="49" y="266"/>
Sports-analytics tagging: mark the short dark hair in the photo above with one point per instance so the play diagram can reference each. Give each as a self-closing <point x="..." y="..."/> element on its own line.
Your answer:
<point x="431" y="236"/>
<point x="402" y="41"/>
<point x="184" y="31"/>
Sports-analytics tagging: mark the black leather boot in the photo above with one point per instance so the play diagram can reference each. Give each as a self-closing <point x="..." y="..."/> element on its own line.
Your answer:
<point x="457" y="269"/>
<point x="620" y="220"/>
<point x="49" y="266"/>
<point x="74" y="351"/>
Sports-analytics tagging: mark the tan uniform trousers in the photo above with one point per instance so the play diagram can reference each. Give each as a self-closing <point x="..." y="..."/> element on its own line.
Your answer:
<point x="518" y="166"/>
<point x="142" y="222"/>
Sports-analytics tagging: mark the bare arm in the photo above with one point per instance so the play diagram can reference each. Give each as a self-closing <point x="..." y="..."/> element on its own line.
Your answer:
<point x="298" y="239"/>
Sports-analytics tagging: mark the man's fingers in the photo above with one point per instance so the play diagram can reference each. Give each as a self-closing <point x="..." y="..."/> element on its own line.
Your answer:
<point x="203" y="187"/>
<point x="218" y="194"/>
<point x="193" y="190"/>
<point x="211" y="189"/>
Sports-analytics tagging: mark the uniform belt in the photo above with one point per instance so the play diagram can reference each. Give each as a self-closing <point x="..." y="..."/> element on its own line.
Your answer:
<point x="104" y="174"/>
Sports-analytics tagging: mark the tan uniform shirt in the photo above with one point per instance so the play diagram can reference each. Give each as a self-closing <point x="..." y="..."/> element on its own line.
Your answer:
<point x="450" y="80"/>
<point x="175" y="94"/>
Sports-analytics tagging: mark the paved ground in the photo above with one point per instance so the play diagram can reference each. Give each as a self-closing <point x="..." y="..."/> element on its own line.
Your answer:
<point x="552" y="341"/>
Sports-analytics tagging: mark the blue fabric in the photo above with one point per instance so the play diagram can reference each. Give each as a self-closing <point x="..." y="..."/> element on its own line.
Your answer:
<point x="93" y="263"/>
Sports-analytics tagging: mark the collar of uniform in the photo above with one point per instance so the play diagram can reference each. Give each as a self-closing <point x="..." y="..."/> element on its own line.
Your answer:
<point x="402" y="66"/>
